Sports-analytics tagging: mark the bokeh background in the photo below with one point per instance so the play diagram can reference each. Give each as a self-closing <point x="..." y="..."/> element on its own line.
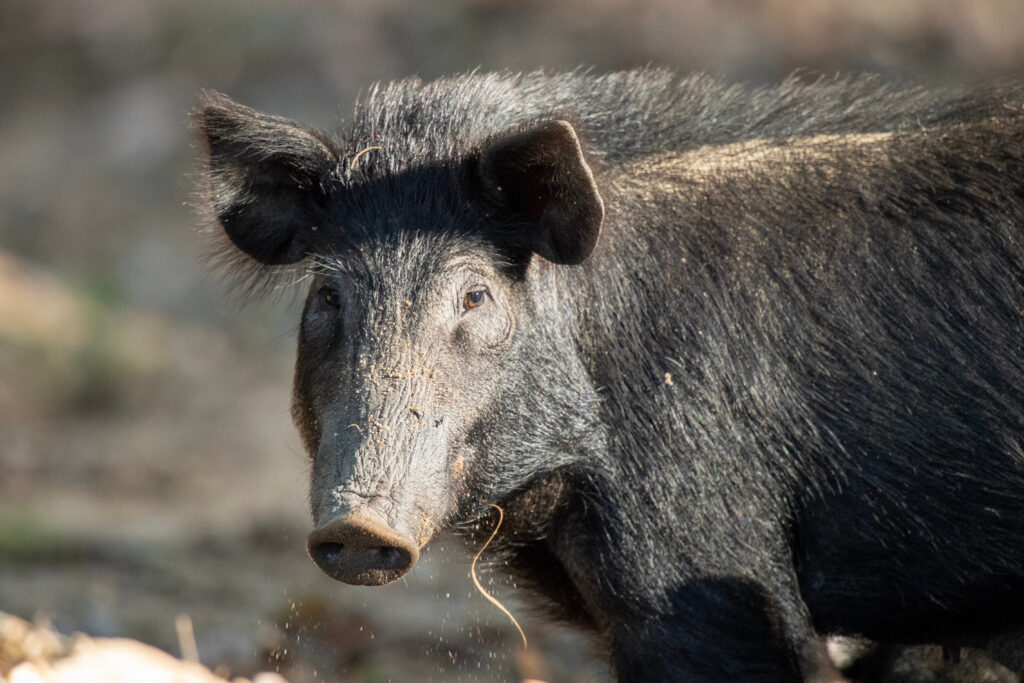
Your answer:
<point x="148" y="468"/>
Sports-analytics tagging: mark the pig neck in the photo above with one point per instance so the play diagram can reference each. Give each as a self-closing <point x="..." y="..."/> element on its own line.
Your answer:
<point x="648" y="328"/>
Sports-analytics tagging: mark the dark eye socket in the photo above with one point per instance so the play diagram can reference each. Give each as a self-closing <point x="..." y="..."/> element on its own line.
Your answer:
<point x="330" y="297"/>
<point x="474" y="299"/>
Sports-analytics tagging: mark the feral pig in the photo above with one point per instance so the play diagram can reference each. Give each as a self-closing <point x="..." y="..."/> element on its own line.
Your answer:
<point x="741" y="365"/>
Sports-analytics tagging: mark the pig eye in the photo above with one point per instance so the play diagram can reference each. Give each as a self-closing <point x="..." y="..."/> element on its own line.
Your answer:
<point x="474" y="299"/>
<point x="330" y="297"/>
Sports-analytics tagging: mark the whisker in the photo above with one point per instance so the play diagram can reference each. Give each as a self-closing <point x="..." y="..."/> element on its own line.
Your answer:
<point x="476" y="582"/>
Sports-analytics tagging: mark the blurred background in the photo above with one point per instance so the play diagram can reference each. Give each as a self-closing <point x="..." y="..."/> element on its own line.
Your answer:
<point x="148" y="467"/>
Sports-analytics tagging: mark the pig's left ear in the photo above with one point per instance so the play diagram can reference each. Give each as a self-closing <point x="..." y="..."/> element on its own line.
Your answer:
<point x="541" y="181"/>
<point x="265" y="179"/>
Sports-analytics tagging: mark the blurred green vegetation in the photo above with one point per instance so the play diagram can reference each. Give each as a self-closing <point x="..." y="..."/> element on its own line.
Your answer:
<point x="25" y="539"/>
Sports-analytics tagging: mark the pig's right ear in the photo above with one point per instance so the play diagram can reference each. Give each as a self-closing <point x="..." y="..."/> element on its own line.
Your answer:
<point x="265" y="178"/>
<point x="540" y="182"/>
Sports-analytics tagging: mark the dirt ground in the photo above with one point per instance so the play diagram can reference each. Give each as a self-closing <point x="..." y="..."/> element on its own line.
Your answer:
<point x="148" y="467"/>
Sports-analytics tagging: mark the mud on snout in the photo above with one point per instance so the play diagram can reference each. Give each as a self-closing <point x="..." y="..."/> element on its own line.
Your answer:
<point x="375" y="509"/>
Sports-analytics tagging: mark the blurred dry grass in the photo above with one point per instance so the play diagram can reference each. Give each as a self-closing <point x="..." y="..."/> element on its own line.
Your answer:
<point x="34" y="653"/>
<point x="147" y="464"/>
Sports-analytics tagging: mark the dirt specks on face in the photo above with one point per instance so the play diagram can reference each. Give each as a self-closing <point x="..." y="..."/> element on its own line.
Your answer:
<point x="427" y="528"/>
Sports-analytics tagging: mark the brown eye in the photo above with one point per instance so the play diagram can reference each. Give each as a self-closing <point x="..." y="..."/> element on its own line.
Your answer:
<point x="330" y="297"/>
<point x="473" y="299"/>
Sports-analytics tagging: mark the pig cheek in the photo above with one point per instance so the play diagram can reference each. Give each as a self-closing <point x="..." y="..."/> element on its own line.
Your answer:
<point x="304" y="416"/>
<point x="427" y="529"/>
<point x="427" y="503"/>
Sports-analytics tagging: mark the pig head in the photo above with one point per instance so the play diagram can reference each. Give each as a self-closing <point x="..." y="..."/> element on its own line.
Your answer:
<point x="428" y="325"/>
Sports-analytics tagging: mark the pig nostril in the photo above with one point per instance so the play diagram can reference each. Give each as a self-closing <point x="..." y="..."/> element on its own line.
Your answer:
<point x="361" y="549"/>
<point x="330" y="551"/>
<point x="389" y="556"/>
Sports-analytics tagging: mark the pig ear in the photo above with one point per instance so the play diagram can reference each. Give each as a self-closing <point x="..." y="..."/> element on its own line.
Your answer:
<point x="265" y="178"/>
<point x="541" y="179"/>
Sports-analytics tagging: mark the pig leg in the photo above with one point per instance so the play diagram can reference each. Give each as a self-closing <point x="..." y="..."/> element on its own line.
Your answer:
<point x="721" y="629"/>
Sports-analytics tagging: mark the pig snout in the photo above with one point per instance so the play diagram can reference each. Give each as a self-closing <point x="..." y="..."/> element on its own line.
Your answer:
<point x="359" y="548"/>
<point x="377" y="498"/>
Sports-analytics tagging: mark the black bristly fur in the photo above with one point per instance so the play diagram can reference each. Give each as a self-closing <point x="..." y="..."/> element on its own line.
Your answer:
<point x="783" y="395"/>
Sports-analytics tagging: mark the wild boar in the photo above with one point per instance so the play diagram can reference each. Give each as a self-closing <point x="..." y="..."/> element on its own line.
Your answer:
<point x="740" y="365"/>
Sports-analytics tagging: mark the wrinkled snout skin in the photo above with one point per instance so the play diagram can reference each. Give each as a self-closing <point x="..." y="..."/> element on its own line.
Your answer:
<point x="376" y="449"/>
<point x="380" y="458"/>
